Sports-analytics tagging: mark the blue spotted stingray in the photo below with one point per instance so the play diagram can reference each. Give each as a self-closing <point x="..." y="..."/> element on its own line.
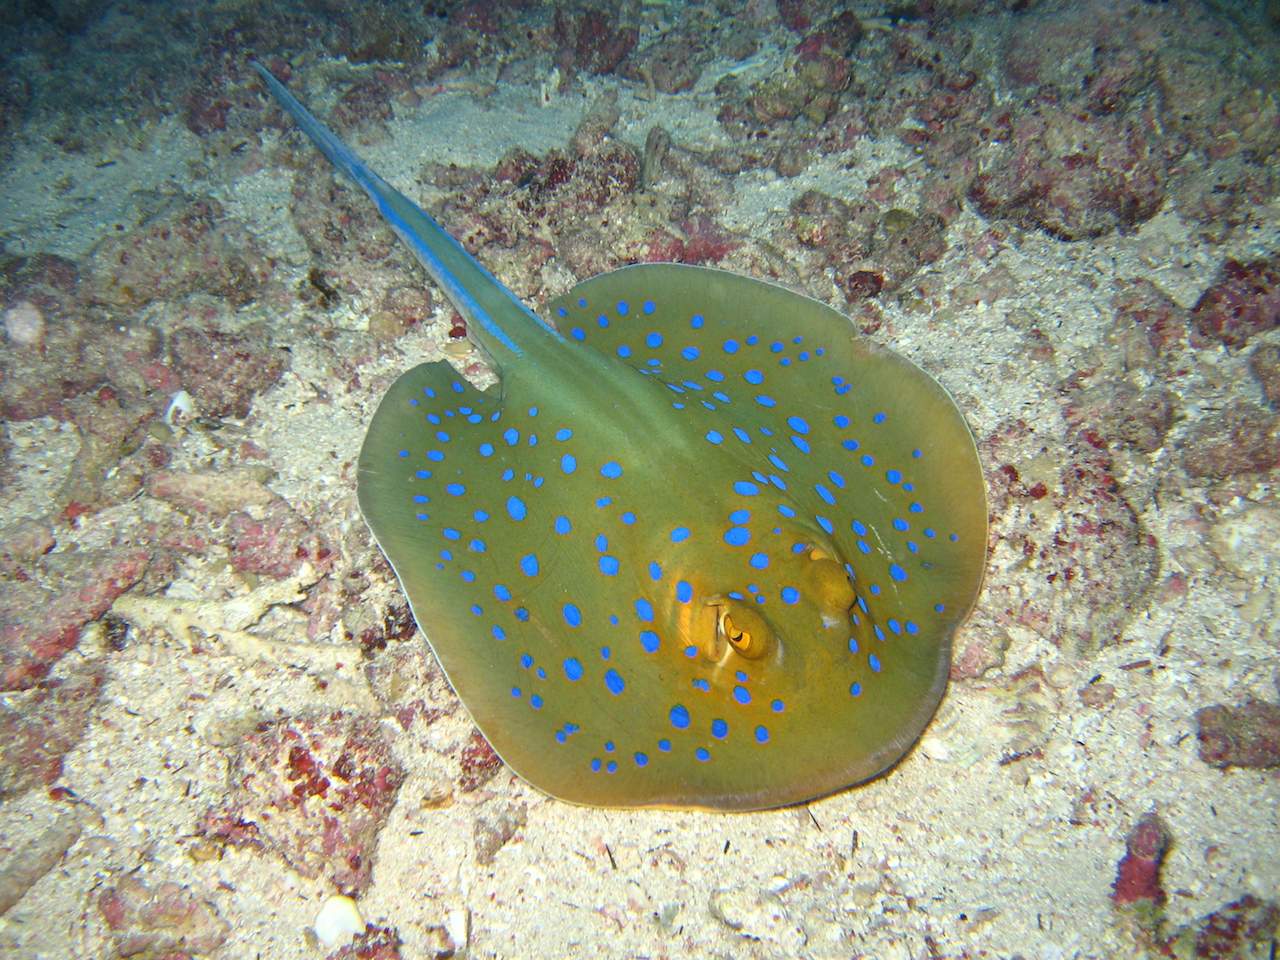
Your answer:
<point x="701" y="546"/>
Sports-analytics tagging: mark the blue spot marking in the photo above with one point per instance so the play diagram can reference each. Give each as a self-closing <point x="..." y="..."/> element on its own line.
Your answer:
<point x="897" y="572"/>
<point x="696" y="321"/>
<point x="742" y="434"/>
<point x="893" y="476"/>
<point x="423" y="474"/>
<point x="765" y="400"/>
<point x="501" y="592"/>
<point x="740" y="516"/>
<point x="825" y="524"/>
<point x="715" y="436"/>
<point x="403" y="454"/>
<point x="868" y="460"/>
<point x="602" y="542"/>
<point x="679" y="534"/>
<point x="562" y="525"/>
<point x="578" y="334"/>
<point x="611" y="470"/>
<point x="900" y="525"/>
<point x="798" y="424"/>
<point x="516" y="508"/>
<point x="564" y="433"/>
<point x="511" y="435"/>
<point x="455" y="489"/>
<point x="777" y="706"/>
<point x="486" y="449"/>
<point x="573" y="668"/>
<point x="535" y="701"/>
<point x="526" y="661"/>
<point x="653" y="340"/>
<point x="742" y="694"/>
<point x="786" y="511"/>
<point x="762" y="734"/>
<point x="499" y="633"/>
<point x="451" y="534"/>
<point x="628" y="517"/>
<point x="624" y="351"/>
<point x="595" y="765"/>
<point x="737" y="536"/>
<point x="778" y="462"/>
<point x="655" y="570"/>
<point x="745" y="489"/>
<point x="613" y="681"/>
<point x="609" y="566"/>
<point x="648" y="306"/>
<point x="715" y="376"/>
<point x="790" y="595"/>
<point x="825" y="494"/>
<point x="572" y="615"/>
<point x="684" y="592"/>
<point x="719" y="729"/>
<point x="855" y="689"/>
<point x="529" y="564"/>
<point x="760" y="560"/>
<point x="644" y="610"/>
<point x="623" y="308"/>
<point x="679" y="716"/>
<point x="874" y="662"/>
<point x="753" y="377"/>
<point x="515" y="691"/>
<point x="641" y="760"/>
<point x="702" y="754"/>
<point x="731" y="346"/>
<point x="878" y="417"/>
<point x="690" y="353"/>
<point x="649" y="640"/>
<point x="568" y="463"/>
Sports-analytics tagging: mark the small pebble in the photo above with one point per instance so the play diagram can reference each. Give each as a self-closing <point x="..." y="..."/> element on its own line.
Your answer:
<point x="338" y="922"/>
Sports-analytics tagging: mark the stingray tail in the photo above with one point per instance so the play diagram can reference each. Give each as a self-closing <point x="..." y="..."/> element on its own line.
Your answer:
<point x="477" y="294"/>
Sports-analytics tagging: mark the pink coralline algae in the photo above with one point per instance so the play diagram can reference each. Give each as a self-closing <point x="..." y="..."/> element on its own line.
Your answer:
<point x="188" y="246"/>
<point x="1244" y="736"/>
<point x="43" y="610"/>
<point x="811" y="85"/>
<point x="375" y="943"/>
<point x="225" y="371"/>
<point x="1138" y="873"/>
<point x="1090" y="562"/>
<point x="590" y="41"/>
<point x="1242" y="437"/>
<point x="276" y="543"/>
<point x="57" y="359"/>
<point x="166" y="921"/>
<point x="1074" y="177"/>
<point x="317" y="791"/>
<point x="38" y="729"/>
<point x="1243" y="302"/>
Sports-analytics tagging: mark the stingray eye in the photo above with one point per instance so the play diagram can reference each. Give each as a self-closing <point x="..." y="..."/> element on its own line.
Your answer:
<point x="745" y="631"/>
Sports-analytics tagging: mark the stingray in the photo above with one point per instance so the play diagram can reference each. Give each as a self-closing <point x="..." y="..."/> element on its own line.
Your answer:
<point x="701" y="546"/>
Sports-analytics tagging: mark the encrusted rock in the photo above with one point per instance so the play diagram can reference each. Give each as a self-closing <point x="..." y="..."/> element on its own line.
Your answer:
<point x="1244" y="736"/>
